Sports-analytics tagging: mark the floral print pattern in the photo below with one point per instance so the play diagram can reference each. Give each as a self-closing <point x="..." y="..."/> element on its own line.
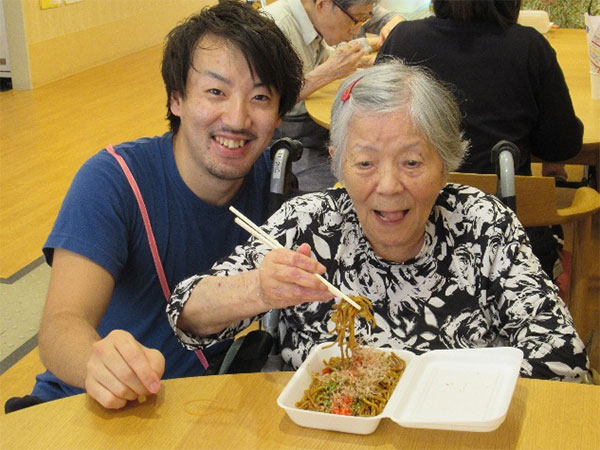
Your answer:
<point x="475" y="283"/>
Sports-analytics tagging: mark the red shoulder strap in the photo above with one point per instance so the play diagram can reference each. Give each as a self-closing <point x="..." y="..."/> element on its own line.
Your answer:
<point x="150" y="234"/>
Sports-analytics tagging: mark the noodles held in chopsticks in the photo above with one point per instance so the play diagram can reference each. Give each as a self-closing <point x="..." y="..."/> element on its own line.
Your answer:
<point x="343" y="318"/>
<point x="361" y="380"/>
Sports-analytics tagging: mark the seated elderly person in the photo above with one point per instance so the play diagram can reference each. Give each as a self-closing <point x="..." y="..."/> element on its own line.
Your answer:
<point x="444" y="265"/>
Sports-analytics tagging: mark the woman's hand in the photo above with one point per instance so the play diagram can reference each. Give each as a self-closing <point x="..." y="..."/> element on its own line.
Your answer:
<point x="287" y="278"/>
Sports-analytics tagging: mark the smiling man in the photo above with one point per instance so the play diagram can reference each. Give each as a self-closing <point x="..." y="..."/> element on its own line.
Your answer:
<point x="230" y="75"/>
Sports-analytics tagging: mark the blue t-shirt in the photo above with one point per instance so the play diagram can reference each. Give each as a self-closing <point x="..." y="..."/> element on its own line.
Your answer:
<point x="100" y="220"/>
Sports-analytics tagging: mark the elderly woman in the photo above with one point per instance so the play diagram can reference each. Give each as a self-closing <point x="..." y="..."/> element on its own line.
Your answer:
<point x="445" y="265"/>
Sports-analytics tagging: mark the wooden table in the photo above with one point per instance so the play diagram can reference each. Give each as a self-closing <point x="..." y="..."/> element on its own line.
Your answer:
<point x="240" y="411"/>
<point x="572" y="54"/>
<point x="571" y="50"/>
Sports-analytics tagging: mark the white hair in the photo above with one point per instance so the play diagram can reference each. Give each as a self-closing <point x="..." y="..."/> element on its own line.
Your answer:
<point x="393" y="86"/>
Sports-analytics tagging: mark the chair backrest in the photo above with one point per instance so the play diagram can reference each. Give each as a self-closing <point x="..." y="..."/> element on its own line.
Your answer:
<point x="536" y="197"/>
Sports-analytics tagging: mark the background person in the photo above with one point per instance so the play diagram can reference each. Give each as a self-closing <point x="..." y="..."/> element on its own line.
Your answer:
<point x="509" y="85"/>
<point x="230" y="75"/>
<point x="444" y="265"/>
<point x="314" y="27"/>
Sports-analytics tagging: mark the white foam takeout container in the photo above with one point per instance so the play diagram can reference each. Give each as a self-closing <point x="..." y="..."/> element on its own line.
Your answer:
<point x="463" y="389"/>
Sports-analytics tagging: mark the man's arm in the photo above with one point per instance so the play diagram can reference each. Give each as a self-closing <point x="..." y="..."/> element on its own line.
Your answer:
<point x="112" y="370"/>
<point x="343" y="61"/>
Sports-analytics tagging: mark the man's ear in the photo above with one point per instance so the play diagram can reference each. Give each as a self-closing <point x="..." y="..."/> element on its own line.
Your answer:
<point x="320" y="3"/>
<point x="175" y="103"/>
<point x="331" y="150"/>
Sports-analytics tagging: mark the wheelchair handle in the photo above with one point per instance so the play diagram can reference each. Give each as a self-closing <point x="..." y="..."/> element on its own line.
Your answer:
<point x="284" y="152"/>
<point x="504" y="156"/>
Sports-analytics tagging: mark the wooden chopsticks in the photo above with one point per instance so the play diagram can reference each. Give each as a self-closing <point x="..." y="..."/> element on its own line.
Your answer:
<point x="263" y="237"/>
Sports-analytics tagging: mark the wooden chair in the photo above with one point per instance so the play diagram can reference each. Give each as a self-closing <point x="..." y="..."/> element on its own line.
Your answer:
<point x="536" y="206"/>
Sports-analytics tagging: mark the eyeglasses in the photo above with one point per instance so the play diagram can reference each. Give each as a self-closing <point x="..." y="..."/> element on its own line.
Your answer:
<point x="352" y="18"/>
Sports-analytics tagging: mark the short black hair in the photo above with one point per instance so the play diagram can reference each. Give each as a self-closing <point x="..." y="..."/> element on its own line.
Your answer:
<point x="268" y="52"/>
<point x="501" y="12"/>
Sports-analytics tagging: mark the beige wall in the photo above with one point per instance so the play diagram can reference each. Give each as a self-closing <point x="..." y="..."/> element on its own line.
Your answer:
<point x="47" y="45"/>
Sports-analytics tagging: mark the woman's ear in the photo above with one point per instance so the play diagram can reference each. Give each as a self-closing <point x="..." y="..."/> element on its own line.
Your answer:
<point x="331" y="150"/>
<point x="445" y="177"/>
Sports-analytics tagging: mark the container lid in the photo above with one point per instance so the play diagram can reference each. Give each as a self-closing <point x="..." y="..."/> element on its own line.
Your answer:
<point x="465" y="389"/>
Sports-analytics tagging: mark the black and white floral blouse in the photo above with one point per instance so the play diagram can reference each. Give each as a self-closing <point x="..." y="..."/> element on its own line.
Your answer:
<point x="475" y="283"/>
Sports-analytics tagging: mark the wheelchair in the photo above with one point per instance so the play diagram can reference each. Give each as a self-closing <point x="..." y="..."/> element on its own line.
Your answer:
<point x="260" y="349"/>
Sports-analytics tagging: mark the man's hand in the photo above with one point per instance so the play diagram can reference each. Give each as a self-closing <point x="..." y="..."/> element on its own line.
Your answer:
<point x="287" y="278"/>
<point x="344" y="60"/>
<point x="121" y="369"/>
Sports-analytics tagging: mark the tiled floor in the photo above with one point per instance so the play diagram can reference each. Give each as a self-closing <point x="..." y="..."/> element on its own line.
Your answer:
<point x="21" y="304"/>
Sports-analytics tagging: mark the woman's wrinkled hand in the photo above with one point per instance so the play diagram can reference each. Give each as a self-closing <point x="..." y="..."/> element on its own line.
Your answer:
<point x="287" y="278"/>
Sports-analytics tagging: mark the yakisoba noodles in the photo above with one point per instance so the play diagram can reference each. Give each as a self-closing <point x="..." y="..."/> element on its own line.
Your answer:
<point x="362" y="379"/>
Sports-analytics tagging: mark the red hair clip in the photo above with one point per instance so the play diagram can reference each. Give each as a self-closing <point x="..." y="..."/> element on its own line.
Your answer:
<point x="348" y="91"/>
